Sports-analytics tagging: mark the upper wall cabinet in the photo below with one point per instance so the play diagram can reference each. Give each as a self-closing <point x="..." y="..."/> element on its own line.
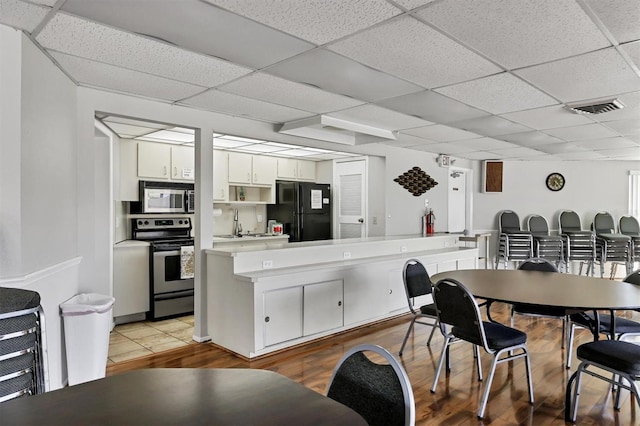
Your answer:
<point x="293" y="169"/>
<point x="182" y="163"/>
<point x="247" y="169"/>
<point x="162" y="161"/>
<point x="220" y="175"/>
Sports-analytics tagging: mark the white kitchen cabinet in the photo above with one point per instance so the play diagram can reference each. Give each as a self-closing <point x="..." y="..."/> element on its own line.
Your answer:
<point x="323" y="307"/>
<point x="397" y="293"/>
<point x="182" y="163"/>
<point x="282" y="315"/>
<point x="240" y="168"/>
<point x="130" y="278"/>
<point x="294" y="169"/>
<point x="251" y="169"/>
<point x="220" y="175"/>
<point x="154" y="160"/>
<point x="263" y="170"/>
<point x="128" y="171"/>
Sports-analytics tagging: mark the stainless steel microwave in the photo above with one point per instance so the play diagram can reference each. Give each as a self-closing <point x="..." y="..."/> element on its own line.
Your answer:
<point x="167" y="197"/>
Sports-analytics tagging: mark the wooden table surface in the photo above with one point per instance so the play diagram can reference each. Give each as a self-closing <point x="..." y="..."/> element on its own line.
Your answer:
<point x="181" y="396"/>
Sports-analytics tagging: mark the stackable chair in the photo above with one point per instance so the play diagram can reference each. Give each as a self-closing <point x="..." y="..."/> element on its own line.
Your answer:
<point x="628" y="225"/>
<point x="514" y="244"/>
<point x="22" y="348"/>
<point x="579" y="244"/>
<point x="417" y="283"/>
<point x="545" y="246"/>
<point x="459" y="312"/>
<point x="380" y="393"/>
<point x="621" y="359"/>
<point x="610" y="247"/>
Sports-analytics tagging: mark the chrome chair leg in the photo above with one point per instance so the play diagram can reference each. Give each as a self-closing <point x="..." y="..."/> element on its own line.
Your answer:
<point x="406" y="336"/>
<point x="487" y="387"/>
<point x="433" y="329"/>
<point x="443" y="355"/>
<point x="476" y="350"/>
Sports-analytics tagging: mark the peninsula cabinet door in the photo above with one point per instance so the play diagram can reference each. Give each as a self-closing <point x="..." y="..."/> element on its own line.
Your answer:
<point x="282" y="315"/>
<point x="323" y="307"/>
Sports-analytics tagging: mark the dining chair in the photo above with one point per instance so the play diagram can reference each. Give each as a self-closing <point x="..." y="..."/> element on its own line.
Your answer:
<point x="610" y="246"/>
<point x="622" y="359"/>
<point x="629" y="226"/>
<point x="416" y="284"/>
<point x="514" y="244"/>
<point x="579" y="244"/>
<point x="545" y="245"/>
<point x="460" y="321"/>
<point x="380" y="393"/>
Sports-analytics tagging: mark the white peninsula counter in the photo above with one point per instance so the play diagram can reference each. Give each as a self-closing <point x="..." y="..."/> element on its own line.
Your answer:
<point x="264" y="298"/>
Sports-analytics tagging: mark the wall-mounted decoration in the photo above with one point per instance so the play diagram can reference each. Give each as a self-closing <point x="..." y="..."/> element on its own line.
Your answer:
<point x="416" y="181"/>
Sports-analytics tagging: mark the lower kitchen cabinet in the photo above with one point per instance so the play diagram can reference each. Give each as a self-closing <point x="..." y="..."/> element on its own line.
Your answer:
<point x="130" y="278"/>
<point x="282" y="315"/>
<point x="323" y="308"/>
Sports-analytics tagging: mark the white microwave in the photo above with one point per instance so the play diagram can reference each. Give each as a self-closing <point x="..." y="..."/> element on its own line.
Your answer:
<point x="164" y="197"/>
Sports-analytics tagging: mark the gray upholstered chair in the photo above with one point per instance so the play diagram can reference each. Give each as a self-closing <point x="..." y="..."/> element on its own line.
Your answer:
<point x="628" y="225"/>
<point x="514" y="244"/>
<point x="579" y="244"/>
<point x="459" y="313"/>
<point x="610" y="246"/>
<point x="545" y="245"/>
<point x="417" y="283"/>
<point x="380" y="393"/>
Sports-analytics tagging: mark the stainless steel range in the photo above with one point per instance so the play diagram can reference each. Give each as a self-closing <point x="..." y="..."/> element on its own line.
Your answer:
<point x="171" y="286"/>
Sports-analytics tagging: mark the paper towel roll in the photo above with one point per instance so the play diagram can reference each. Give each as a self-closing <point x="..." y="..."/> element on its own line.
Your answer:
<point x="217" y="212"/>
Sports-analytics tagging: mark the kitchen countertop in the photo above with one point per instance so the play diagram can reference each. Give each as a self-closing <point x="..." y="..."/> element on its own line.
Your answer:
<point x="131" y="243"/>
<point x="246" y="238"/>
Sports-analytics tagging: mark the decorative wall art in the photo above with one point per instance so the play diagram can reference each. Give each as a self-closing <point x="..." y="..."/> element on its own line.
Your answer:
<point x="416" y="181"/>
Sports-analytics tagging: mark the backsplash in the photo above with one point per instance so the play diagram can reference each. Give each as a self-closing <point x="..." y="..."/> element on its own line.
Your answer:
<point x="247" y="217"/>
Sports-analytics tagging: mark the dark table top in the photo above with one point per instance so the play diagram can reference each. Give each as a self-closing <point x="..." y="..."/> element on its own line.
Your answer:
<point x="181" y="396"/>
<point x="546" y="288"/>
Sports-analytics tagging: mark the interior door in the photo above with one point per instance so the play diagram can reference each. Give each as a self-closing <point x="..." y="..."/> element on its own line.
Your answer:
<point x="351" y="208"/>
<point x="457" y="183"/>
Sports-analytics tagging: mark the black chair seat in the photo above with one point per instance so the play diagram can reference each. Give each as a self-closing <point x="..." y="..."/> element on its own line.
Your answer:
<point x="619" y="238"/>
<point x="498" y="336"/>
<point x="614" y="354"/>
<point x="548" y="311"/>
<point x="430" y="310"/>
<point x="547" y="238"/>
<point x="623" y="325"/>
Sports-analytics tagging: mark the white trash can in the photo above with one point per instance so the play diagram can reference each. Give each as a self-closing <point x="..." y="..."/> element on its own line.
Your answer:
<point x="87" y="324"/>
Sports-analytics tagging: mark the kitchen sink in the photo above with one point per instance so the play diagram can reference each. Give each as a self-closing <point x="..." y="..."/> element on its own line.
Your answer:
<point x="228" y="236"/>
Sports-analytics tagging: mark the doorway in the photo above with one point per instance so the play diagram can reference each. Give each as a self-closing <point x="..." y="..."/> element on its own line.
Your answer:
<point x="350" y="191"/>
<point x="459" y="200"/>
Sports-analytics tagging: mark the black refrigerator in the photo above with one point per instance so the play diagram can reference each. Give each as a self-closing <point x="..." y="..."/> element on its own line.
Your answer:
<point x="304" y="209"/>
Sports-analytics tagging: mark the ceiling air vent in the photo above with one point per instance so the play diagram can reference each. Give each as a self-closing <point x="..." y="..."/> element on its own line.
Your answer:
<point x="596" y="107"/>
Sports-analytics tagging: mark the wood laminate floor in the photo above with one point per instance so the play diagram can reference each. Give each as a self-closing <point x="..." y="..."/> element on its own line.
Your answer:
<point x="457" y="396"/>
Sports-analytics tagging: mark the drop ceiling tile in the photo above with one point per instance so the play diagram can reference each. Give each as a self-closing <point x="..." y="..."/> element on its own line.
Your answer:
<point x="607" y="143"/>
<point x="630" y="111"/>
<point x="561" y="148"/>
<point x="484" y="144"/>
<point x="443" y="148"/>
<point x="334" y="73"/>
<point x="583" y="132"/>
<point x="49" y="3"/>
<point x="517" y="33"/>
<point x="625" y="127"/>
<point x="133" y="122"/>
<point x="227" y="103"/>
<point x="277" y="90"/>
<point x="592" y="75"/>
<point x="482" y="155"/>
<point x="490" y="126"/>
<point x="582" y="156"/>
<point x="375" y="116"/>
<point x="410" y="49"/>
<point x="531" y="139"/>
<point x="21" y="15"/>
<point x="404" y="140"/>
<point x="441" y="133"/>
<point x="432" y="106"/>
<point x="79" y="37"/>
<point x="110" y="77"/>
<point x="310" y="19"/>
<point x="498" y="94"/>
<point x="547" y="117"/>
<point x="412" y="4"/>
<point x="197" y="26"/>
<point x="129" y="130"/>
<point x="221" y="143"/>
<point x="631" y="154"/>
<point x="633" y="50"/>
<point x="620" y="17"/>
<point x="518" y="152"/>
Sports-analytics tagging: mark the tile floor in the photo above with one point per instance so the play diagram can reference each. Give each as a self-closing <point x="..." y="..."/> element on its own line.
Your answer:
<point x="137" y="339"/>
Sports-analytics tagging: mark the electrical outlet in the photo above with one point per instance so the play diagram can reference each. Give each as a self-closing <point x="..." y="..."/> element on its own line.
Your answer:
<point x="403" y="249"/>
<point x="266" y="264"/>
<point x="447" y="243"/>
<point x="375" y="220"/>
<point x="346" y="255"/>
<point x="259" y="218"/>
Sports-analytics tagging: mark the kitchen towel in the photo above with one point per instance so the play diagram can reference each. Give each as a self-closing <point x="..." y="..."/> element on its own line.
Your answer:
<point x="187" y="262"/>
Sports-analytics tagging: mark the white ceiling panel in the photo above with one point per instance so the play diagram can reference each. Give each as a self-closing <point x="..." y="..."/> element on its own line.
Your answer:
<point x="228" y="103"/>
<point x="441" y="133"/>
<point x="484" y="144"/>
<point x="490" y="126"/>
<point x="269" y="88"/>
<point x="197" y="26"/>
<point x="412" y="4"/>
<point x="631" y="110"/>
<point x="583" y="132"/>
<point x="308" y="19"/>
<point x="607" y="143"/>
<point x="517" y="152"/>
<point x="110" y="77"/>
<point x="375" y="116"/>
<point x="547" y="117"/>
<point x="410" y="49"/>
<point x="444" y="148"/>
<point x="632" y="154"/>
<point x="561" y="148"/>
<point x="433" y="106"/>
<point x="404" y="140"/>
<point x="620" y="17"/>
<point x="133" y="122"/>
<point x="531" y="139"/>
<point x="498" y="94"/>
<point x="589" y="76"/>
<point x="482" y="155"/>
<point x="49" y="3"/>
<point x="633" y="50"/>
<point x="582" y="156"/>
<point x="127" y="129"/>
<point x="625" y="127"/>
<point x="518" y="33"/>
<point x="79" y="37"/>
<point x="21" y="15"/>
<point x="334" y="73"/>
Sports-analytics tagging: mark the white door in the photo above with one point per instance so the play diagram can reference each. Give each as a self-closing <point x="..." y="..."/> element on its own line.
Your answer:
<point x="457" y="201"/>
<point x="351" y="194"/>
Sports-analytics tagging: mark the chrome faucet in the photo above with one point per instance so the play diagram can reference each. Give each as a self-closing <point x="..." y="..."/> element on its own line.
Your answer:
<point x="237" y="228"/>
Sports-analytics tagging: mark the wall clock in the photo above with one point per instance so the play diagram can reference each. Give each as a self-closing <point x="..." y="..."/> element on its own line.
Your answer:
<point x="555" y="181"/>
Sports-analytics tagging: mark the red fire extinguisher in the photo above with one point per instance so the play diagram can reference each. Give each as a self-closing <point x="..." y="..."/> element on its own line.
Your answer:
<point x="431" y="222"/>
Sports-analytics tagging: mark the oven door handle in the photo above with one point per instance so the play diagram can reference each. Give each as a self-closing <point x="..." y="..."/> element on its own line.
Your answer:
<point x="160" y="254"/>
<point x="174" y="295"/>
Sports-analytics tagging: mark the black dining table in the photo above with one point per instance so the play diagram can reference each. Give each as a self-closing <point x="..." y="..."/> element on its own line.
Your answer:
<point x="181" y="396"/>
